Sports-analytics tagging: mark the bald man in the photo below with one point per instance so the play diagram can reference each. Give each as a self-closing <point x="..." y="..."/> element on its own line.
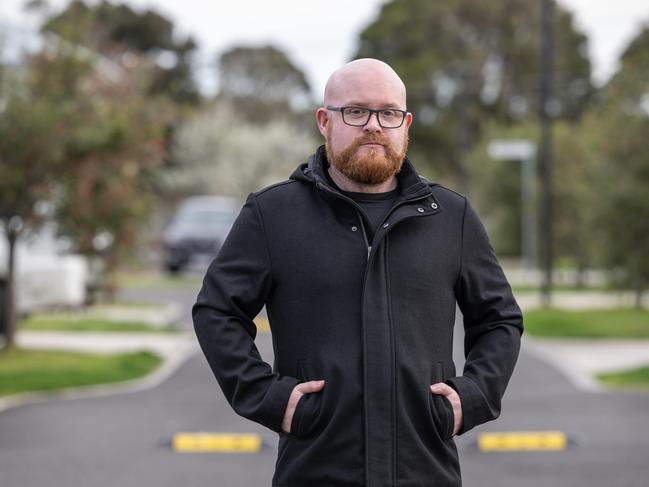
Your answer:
<point x="360" y="263"/>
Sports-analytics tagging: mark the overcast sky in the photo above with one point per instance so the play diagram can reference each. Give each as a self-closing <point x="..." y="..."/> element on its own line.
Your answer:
<point x="321" y="35"/>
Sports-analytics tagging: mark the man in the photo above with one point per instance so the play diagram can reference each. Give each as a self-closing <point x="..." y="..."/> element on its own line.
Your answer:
<point x="360" y="263"/>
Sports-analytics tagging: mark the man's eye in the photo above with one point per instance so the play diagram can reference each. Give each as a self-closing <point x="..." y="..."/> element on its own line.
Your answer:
<point x="356" y="112"/>
<point x="389" y="113"/>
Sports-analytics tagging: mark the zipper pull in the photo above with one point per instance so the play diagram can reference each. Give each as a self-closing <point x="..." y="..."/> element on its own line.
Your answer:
<point x="369" y="249"/>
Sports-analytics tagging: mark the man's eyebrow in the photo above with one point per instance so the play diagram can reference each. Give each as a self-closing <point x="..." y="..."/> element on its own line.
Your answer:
<point x="366" y="105"/>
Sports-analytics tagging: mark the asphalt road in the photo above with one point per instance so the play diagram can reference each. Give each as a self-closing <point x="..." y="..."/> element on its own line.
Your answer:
<point x="125" y="439"/>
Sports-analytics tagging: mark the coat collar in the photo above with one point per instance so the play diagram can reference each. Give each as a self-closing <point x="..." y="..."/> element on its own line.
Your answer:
<point x="412" y="186"/>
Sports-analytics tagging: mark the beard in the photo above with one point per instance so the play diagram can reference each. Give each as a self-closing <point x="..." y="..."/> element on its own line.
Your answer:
<point x="374" y="167"/>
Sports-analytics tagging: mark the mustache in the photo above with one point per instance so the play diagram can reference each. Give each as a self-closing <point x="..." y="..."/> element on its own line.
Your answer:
<point x="372" y="138"/>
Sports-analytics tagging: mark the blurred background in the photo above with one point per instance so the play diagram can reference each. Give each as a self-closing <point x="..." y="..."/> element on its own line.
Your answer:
<point x="131" y="133"/>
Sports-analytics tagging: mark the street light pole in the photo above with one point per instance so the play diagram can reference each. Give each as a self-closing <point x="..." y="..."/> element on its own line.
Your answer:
<point x="546" y="107"/>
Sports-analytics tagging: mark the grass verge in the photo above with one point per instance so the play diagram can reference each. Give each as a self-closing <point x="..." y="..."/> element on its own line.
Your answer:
<point x="610" y="323"/>
<point x="632" y="378"/>
<point x="523" y="289"/>
<point x="80" y="323"/>
<point x="23" y="370"/>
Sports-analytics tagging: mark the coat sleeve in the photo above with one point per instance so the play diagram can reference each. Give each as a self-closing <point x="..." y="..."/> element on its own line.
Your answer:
<point x="493" y="325"/>
<point x="234" y="290"/>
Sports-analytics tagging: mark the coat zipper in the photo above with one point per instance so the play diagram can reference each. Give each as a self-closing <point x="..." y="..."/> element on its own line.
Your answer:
<point x="369" y="251"/>
<point x="358" y="214"/>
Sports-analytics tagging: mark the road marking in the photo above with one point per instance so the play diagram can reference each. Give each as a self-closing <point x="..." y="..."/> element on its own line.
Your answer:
<point x="216" y="442"/>
<point x="262" y="323"/>
<point x="523" y="441"/>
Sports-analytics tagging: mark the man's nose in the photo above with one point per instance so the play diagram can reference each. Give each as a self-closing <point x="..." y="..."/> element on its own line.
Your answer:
<point x="372" y="124"/>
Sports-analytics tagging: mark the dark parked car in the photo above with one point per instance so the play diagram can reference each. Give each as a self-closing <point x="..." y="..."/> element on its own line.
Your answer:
<point x="197" y="230"/>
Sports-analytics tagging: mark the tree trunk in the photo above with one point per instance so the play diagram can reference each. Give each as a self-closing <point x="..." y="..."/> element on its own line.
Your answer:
<point x="9" y="305"/>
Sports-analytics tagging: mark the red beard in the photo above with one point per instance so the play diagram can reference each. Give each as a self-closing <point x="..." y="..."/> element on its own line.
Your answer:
<point x="373" y="168"/>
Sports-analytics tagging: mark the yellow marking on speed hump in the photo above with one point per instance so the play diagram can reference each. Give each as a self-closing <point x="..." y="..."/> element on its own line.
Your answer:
<point x="262" y="323"/>
<point x="216" y="442"/>
<point x="523" y="441"/>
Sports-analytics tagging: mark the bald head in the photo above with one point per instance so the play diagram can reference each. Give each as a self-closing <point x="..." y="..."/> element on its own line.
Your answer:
<point x="360" y="79"/>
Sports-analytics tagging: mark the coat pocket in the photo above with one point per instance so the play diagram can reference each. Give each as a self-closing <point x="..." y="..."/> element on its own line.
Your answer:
<point x="440" y="408"/>
<point x="309" y="407"/>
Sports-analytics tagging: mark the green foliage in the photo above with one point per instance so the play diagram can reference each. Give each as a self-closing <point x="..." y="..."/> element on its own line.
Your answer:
<point x="623" y="210"/>
<point x="31" y="149"/>
<point x="112" y="143"/>
<point x="609" y="323"/>
<point x="465" y="62"/>
<point x="87" y="139"/>
<point x="631" y="83"/>
<point x="262" y="83"/>
<point x="47" y="370"/>
<point x="116" y="29"/>
<point x="620" y="124"/>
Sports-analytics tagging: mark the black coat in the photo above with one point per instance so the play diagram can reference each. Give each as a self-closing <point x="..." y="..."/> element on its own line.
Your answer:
<point x="375" y="321"/>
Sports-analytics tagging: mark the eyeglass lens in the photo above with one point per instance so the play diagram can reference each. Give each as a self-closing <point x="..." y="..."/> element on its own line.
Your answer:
<point x="360" y="116"/>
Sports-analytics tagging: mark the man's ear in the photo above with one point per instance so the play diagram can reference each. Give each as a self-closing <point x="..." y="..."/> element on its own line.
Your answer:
<point x="322" y="119"/>
<point x="408" y="119"/>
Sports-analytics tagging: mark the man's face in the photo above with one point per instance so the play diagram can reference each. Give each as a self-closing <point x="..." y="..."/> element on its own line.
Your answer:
<point x="370" y="158"/>
<point x="370" y="154"/>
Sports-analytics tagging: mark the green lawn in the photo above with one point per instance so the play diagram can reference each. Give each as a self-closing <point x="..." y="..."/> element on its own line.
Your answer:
<point x="633" y="378"/>
<point x="615" y="323"/>
<point x="35" y="370"/>
<point x="54" y="322"/>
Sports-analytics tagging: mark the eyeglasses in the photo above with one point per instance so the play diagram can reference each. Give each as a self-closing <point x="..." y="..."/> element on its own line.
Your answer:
<point x="389" y="118"/>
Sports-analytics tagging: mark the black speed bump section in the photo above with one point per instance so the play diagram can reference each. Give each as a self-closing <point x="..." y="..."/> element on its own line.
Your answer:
<point x="216" y="443"/>
<point x="522" y="441"/>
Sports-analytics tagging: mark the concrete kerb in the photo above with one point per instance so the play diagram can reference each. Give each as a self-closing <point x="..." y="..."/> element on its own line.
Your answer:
<point x="174" y="350"/>
<point x="581" y="379"/>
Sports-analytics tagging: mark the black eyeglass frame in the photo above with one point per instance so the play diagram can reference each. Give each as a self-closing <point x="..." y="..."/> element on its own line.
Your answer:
<point x="370" y="112"/>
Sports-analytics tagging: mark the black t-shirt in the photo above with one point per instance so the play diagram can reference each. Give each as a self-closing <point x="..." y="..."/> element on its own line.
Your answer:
<point x="374" y="206"/>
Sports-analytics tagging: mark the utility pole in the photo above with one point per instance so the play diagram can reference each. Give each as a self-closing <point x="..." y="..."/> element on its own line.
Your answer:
<point x="546" y="112"/>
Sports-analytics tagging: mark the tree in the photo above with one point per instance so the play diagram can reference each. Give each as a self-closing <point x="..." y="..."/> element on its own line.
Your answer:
<point x="32" y="135"/>
<point x="217" y="151"/>
<point x="262" y="82"/>
<point x="117" y="31"/>
<point x="466" y="62"/>
<point x="621" y="206"/>
<point x="254" y="133"/>
<point x="83" y="141"/>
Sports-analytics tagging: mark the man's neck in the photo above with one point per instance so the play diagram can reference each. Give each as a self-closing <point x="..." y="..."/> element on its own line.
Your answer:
<point x="351" y="186"/>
